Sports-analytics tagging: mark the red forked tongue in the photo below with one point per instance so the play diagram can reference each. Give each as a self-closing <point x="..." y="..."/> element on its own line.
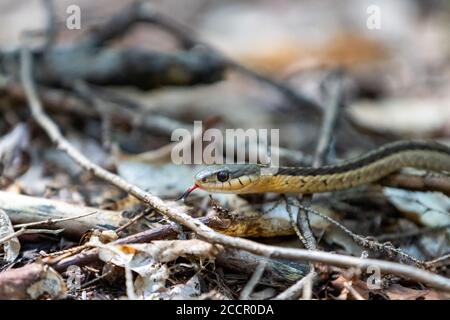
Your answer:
<point x="187" y="192"/>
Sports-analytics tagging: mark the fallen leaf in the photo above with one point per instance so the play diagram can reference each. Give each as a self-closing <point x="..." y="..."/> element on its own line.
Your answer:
<point x="399" y="292"/>
<point x="430" y="209"/>
<point x="50" y="283"/>
<point x="156" y="252"/>
<point x="32" y="281"/>
<point x="183" y="291"/>
<point x="151" y="281"/>
<point x="407" y="117"/>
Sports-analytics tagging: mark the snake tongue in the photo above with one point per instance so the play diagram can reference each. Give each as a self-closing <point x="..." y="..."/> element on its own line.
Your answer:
<point x="187" y="192"/>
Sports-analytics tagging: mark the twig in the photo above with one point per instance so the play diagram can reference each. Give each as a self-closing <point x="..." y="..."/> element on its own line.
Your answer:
<point x="294" y="291"/>
<point x="178" y="215"/>
<point x="121" y="109"/>
<point x="141" y="11"/>
<point x="53" y="221"/>
<point x="387" y="248"/>
<point x="12" y="235"/>
<point x="292" y="96"/>
<point x="277" y="272"/>
<point x="353" y="292"/>
<point x="91" y="282"/>
<point x="329" y="120"/>
<point x="307" y="288"/>
<point x="74" y="219"/>
<point x="51" y="29"/>
<point x="28" y="231"/>
<point x="303" y="224"/>
<point x="43" y="231"/>
<point x="295" y="226"/>
<point x="334" y="90"/>
<point x="412" y="233"/>
<point x="133" y="220"/>
<point x="163" y="153"/>
<point x="251" y="284"/>
<point x="438" y="260"/>
<point x="164" y="232"/>
<point x="102" y="108"/>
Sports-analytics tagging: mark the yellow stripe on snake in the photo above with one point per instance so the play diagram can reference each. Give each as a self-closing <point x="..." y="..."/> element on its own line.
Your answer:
<point x="251" y="178"/>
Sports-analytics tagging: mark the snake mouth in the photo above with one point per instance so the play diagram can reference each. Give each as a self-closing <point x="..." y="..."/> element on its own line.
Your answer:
<point x="234" y="178"/>
<point x="188" y="192"/>
<point x="237" y="185"/>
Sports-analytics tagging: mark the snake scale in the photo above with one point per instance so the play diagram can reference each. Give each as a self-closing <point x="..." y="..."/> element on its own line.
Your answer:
<point x="370" y="167"/>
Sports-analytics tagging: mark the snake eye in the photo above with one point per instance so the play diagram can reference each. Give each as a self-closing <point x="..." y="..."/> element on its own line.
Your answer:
<point x="223" y="176"/>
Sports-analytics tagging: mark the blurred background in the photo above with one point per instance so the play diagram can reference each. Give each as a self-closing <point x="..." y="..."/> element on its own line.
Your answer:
<point x="398" y="75"/>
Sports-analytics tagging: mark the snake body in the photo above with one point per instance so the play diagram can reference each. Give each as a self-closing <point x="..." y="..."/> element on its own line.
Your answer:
<point x="253" y="178"/>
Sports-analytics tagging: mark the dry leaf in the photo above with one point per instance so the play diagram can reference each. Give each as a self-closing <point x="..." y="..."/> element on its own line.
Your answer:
<point x="184" y="291"/>
<point x="50" y="283"/>
<point x="271" y="220"/>
<point x="399" y="292"/>
<point x="407" y="117"/>
<point x="31" y="282"/>
<point x="147" y="261"/>
<point x="430" y="209"/>
<point x="157" y="251"/>
<point x="152" y="281"/>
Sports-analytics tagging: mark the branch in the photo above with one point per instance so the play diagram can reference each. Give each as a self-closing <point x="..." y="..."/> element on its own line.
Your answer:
<point x="294" y="291"/>
<point x="121" y="109"/>
<point x="386" y="248"/>
<point x="334" y="91"/>
<point x="29" y="231"/>
<point x="51" y="31"/>
<point x="254" y="280"/>
<point x="52" y="221"/>
<point x="143" y="12"/>
<point x="110" y="66"/>
<point x="32" y="210"/>
<point x="177" y="214"/>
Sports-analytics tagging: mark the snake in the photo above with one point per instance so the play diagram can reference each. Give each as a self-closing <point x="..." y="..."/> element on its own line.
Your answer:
<point x="250" y="178"/>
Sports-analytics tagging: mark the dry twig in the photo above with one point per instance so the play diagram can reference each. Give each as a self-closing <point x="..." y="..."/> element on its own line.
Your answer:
<point x="294" y="291"/>
<point x="323" y="146"/>
<point x="74" y="219"/>
<point x="252" y="283"/>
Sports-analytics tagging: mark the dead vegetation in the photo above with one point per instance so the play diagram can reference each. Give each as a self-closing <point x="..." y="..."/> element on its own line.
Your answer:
<point x="88" y="205"/>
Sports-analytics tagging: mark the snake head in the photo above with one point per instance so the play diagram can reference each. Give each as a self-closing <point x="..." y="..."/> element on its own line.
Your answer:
<point x="235" y="178"/>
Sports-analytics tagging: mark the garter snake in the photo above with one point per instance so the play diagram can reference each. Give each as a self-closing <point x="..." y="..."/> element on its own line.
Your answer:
<point x="370" y="167"/>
